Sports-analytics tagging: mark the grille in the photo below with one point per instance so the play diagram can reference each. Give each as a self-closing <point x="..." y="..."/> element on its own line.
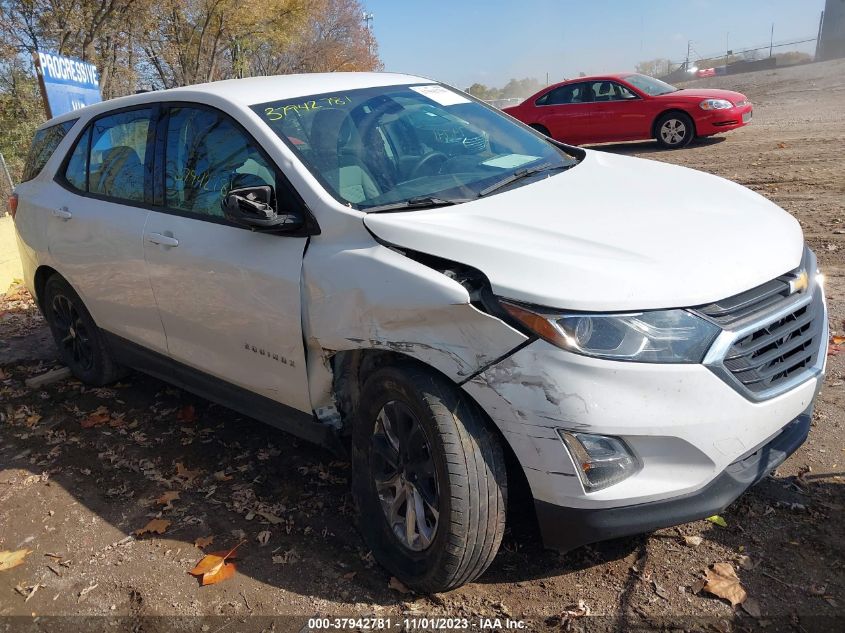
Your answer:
<point x="772" y="354"/>
<point x="747" y="304"/>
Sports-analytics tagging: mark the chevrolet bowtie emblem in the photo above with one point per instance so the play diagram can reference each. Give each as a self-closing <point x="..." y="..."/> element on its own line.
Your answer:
<point x="799" y="283"/>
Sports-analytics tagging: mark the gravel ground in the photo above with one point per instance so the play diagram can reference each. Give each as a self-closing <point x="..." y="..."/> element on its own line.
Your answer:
<point x="82" y="469"/>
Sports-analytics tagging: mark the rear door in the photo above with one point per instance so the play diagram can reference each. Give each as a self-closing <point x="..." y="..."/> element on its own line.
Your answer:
<point x="229" y="297"/>
<point x="96" y="215"/>
<point x="567" y="112"/>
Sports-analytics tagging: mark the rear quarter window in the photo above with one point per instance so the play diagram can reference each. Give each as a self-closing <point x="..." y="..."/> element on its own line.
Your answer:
<point x="44" y="143"/>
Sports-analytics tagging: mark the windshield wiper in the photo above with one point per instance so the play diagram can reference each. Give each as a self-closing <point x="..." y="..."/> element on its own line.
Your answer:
<point x="420" y="202"/>
<point x="519" y="174"/>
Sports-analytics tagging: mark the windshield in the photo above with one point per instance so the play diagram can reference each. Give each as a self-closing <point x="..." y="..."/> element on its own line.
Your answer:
<point x="650" y="85"/>
<point x="379" y="146"/>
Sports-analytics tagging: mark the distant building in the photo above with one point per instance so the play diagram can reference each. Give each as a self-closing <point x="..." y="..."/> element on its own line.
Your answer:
<point x="832" y="33"/>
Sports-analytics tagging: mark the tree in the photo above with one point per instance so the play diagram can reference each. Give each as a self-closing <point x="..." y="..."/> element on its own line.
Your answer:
<point x="654" y="67"/>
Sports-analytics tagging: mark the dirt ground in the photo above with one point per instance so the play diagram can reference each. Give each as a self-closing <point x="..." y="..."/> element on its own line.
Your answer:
<point x="82" y="469"/>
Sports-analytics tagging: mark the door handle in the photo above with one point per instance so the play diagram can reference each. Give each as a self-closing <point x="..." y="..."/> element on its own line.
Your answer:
<point x="162" y="240"/>
<point x="63" y="213"/>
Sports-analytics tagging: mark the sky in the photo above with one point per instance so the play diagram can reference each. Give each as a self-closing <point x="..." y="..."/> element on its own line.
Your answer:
<point x="461" y="42"/>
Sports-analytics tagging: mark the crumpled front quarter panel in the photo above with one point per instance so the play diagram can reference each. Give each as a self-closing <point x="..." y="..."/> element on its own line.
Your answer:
<point x="367" y="296"/>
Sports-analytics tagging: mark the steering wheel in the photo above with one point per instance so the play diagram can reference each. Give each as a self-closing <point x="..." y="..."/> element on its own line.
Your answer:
<point x="425" y="165"/>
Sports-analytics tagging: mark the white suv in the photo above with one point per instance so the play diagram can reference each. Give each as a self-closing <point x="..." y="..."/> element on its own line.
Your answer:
<point x="385" y="265"/>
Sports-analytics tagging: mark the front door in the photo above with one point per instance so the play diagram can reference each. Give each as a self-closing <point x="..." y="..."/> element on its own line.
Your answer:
<point x="620" y="115"/>
<point x="229" y="298"/>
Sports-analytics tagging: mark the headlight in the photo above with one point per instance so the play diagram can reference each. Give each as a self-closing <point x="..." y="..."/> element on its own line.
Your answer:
<point x="664" y="336"/>
<point x="715" y="104"/>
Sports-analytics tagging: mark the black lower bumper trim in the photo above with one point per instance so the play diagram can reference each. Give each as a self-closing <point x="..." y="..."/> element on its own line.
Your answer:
<point x="565" y="529"/>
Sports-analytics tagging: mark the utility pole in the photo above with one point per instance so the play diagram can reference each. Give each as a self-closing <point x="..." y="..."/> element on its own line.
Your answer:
<point x="772" y="39"/>
<point x="689" y="47"/>
<point x="368" y="24"/>
<point x="727" y="49"/>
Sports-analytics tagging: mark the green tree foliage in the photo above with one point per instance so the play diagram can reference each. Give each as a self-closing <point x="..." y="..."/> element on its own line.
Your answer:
<point x="515" y="88"/>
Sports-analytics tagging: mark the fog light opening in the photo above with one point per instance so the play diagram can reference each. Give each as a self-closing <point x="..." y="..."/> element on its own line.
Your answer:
<point x="601" y="460"/>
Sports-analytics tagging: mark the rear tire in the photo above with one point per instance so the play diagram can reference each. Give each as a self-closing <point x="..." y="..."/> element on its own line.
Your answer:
<point x="460" y="494"/>
<point x="674" y="130"/>
<point x="82" y="345"/>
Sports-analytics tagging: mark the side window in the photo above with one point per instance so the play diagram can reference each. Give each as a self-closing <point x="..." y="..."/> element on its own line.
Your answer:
<point x="118" y="150"/>
<point x="44" y="143"/>
<point x="624" y="93"/>
<point x="572" y="93"/>
<point x="76" y="172"/>
<point x="204" y="155"/>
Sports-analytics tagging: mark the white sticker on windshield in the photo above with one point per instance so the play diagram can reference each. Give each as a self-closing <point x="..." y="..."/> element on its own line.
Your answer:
<point x="440" y="94"/>
<point x="509" y="161"/>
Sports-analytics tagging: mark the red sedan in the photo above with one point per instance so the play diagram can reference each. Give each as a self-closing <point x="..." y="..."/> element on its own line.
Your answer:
<point x="631" y="107"/>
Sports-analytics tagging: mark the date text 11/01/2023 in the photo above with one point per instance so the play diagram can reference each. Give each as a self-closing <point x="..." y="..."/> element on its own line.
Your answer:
<point x="415" y="624"/>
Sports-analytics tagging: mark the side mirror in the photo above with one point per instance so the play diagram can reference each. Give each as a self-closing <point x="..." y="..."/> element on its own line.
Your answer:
<point x="255" y="207"/>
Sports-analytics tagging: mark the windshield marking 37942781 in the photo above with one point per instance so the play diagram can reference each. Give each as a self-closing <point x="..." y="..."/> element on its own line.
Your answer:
<point x="408" y="146"/>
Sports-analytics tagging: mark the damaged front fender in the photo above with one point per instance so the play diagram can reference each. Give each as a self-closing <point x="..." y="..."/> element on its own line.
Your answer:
<point x="371" y="297"/>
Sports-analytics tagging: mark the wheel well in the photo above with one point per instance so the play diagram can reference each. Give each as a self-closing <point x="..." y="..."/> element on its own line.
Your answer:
<point x="42" y="274"/>
<point x="351" y="369"/>
<point x="670" y="111"/>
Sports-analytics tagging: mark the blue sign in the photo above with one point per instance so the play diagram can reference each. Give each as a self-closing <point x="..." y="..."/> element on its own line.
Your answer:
<point x="69" y="84"/>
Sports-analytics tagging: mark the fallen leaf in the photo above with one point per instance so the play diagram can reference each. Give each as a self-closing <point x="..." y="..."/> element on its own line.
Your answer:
<point x="698" y="585"/>
<point x="167" y="498"/>
<point x="12" y="559"/>
<point x="263" y="537"/>
<point x="349" y="575"/>
<point x="213" y="567"/>
<point x="837" y="340"/>
<point x="752" y="608"/>
<point x="746" y="563"/>
<point x="718" y="520"/>
<point x="187" y="414"/>
<point x="224" y="573"/>
<point x="156" y="526"/>
<point x="95" y="418"/>
<point x="692" y="541"/>
<point x="660" y="591"/>
<point x="186" y="474"/>
<point x="723" y="582"/>
<point x="204" y="541"/>
<point x="397" y="585"/>
<point x="272" y="518"/>
<point x="284" y="558"/>
<point x="221" y="475"/>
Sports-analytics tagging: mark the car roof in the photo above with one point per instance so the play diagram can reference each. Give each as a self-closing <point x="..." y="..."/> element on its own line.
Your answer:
<point x="252" y="90"/>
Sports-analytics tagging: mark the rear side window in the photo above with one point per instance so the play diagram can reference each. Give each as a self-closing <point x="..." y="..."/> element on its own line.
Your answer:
<point x="76" y="172"/>
<point x="118" y="150"/>
<point x="109" y="156"/>
<point x="44" y="143"/>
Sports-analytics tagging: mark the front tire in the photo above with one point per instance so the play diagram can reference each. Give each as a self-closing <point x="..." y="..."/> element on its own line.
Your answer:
<point x="429" y="479"/>
<point x="82" y="346"/>
<point x="674" y="130"/>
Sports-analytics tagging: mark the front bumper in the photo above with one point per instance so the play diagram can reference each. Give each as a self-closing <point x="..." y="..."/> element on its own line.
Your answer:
<point x="565" y="529"/>
<point x="693" y="430"/>
<point x="715" y="121"/>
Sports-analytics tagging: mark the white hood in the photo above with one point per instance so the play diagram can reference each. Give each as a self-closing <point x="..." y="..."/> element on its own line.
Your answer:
<point x="612" y="233"/>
